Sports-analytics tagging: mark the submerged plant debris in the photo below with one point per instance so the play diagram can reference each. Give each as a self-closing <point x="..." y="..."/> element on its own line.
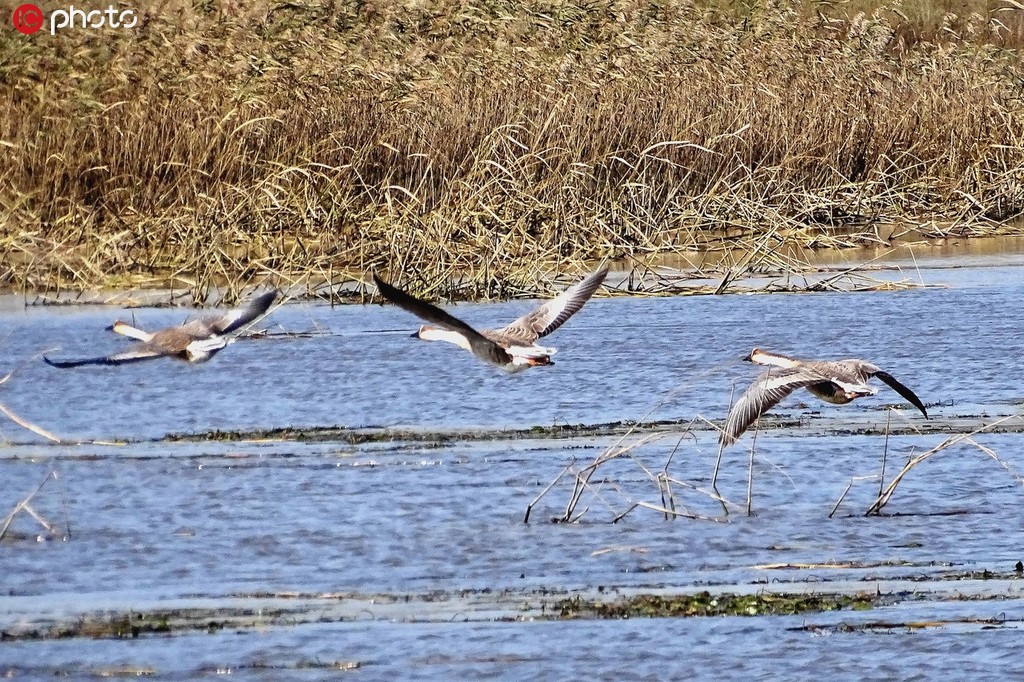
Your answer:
<point x="134" y="624"/>
<point x="1001" y="622"/>
<point x="384" y="435"/>
<point x="269" y="610"/>
<point x="813" y="423"/>
<point x="706" y="604"/>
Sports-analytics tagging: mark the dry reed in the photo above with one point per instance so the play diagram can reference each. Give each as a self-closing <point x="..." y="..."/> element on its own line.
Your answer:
<point x="471" y="149"/>
<point x="33" y="427"/>
<point x="886" y="493"/>
<point x="25" y="507"/>
<point x="586" y="491"/>
<point x="21" y="421"/>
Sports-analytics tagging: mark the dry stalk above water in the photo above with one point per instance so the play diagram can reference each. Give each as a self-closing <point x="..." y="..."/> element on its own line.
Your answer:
<point x="25" y="507"/>
<point x="36" y="428"/>
<point x="20" y="421"/>
<point x="886" y="493"/>
<point x="668" y="487"/>
<point x="597" y="482"/>
<point x="472" y="149"/>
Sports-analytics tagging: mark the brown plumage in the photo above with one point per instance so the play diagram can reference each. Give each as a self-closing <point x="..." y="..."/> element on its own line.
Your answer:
<point x="194" y="341"/>
<point x="513" y="347"/>
<point x="834" y="381"/>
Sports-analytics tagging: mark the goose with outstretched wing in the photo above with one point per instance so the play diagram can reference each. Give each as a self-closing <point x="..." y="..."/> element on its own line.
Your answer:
<point x="194" y="341"/>
<point x="834" y="381"/>
<point x="513" y="347"/>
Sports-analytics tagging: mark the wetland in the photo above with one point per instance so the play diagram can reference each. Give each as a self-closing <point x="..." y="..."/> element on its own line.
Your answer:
<point x="354" y="501"/>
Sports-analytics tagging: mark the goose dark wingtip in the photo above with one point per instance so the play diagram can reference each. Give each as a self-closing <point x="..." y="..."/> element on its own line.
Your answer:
<point x="265" y="300"/>
<point x="904" y="391"/>
<point x="383" y="288"/>
<point x="239" y="317"/>
<point x="68" y="364"/>
<point x="393" y="294"/>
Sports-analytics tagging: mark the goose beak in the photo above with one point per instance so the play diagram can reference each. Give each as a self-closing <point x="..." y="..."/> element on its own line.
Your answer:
<point x="414" y="335"/>
<point x="749" y="357"/>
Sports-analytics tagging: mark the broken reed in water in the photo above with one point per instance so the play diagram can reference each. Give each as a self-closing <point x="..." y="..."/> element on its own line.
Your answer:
<point x="479" y="146"/>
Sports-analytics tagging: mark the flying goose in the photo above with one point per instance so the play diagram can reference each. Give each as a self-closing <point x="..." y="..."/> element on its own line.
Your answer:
<point x="194" y="341"/>
<point x="512" y="348"/>
<point x="834" y="381"/>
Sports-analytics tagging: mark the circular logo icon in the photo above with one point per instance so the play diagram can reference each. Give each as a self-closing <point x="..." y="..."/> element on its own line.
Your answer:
<point x="27" y="19"/>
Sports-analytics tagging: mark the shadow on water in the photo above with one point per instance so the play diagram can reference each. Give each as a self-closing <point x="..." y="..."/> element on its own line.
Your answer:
<point x="368" y="510"/>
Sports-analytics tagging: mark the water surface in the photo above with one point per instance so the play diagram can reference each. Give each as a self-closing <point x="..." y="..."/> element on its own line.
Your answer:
<point x="222" y="523"/>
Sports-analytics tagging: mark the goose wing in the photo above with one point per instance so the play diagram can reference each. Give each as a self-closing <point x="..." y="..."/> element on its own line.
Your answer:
<point x="137" y="353"/>
<point x="902" y="390"/>
<point x="239" y="317"/>
<point x="551" y="315"/>
<point x="767" y="391"/>
<point x="482" y="347"/>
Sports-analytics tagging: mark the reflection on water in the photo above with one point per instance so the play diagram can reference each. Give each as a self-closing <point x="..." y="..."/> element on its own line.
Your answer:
<point x="154" y="521"/>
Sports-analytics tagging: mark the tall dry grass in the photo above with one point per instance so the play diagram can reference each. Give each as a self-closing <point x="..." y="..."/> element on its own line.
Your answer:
<point x="225" y="142"/>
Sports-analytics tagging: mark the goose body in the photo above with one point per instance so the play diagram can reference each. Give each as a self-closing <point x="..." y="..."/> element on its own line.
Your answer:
<point x="194" y="341"/>
<point x="835" y="381"/>
<point x="514" y="347"/>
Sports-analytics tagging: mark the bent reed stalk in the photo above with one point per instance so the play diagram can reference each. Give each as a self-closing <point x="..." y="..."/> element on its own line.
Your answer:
<point x="472" y="148"/>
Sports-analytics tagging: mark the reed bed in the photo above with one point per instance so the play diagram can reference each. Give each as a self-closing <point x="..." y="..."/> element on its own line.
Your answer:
<point x="474" y="148"/>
